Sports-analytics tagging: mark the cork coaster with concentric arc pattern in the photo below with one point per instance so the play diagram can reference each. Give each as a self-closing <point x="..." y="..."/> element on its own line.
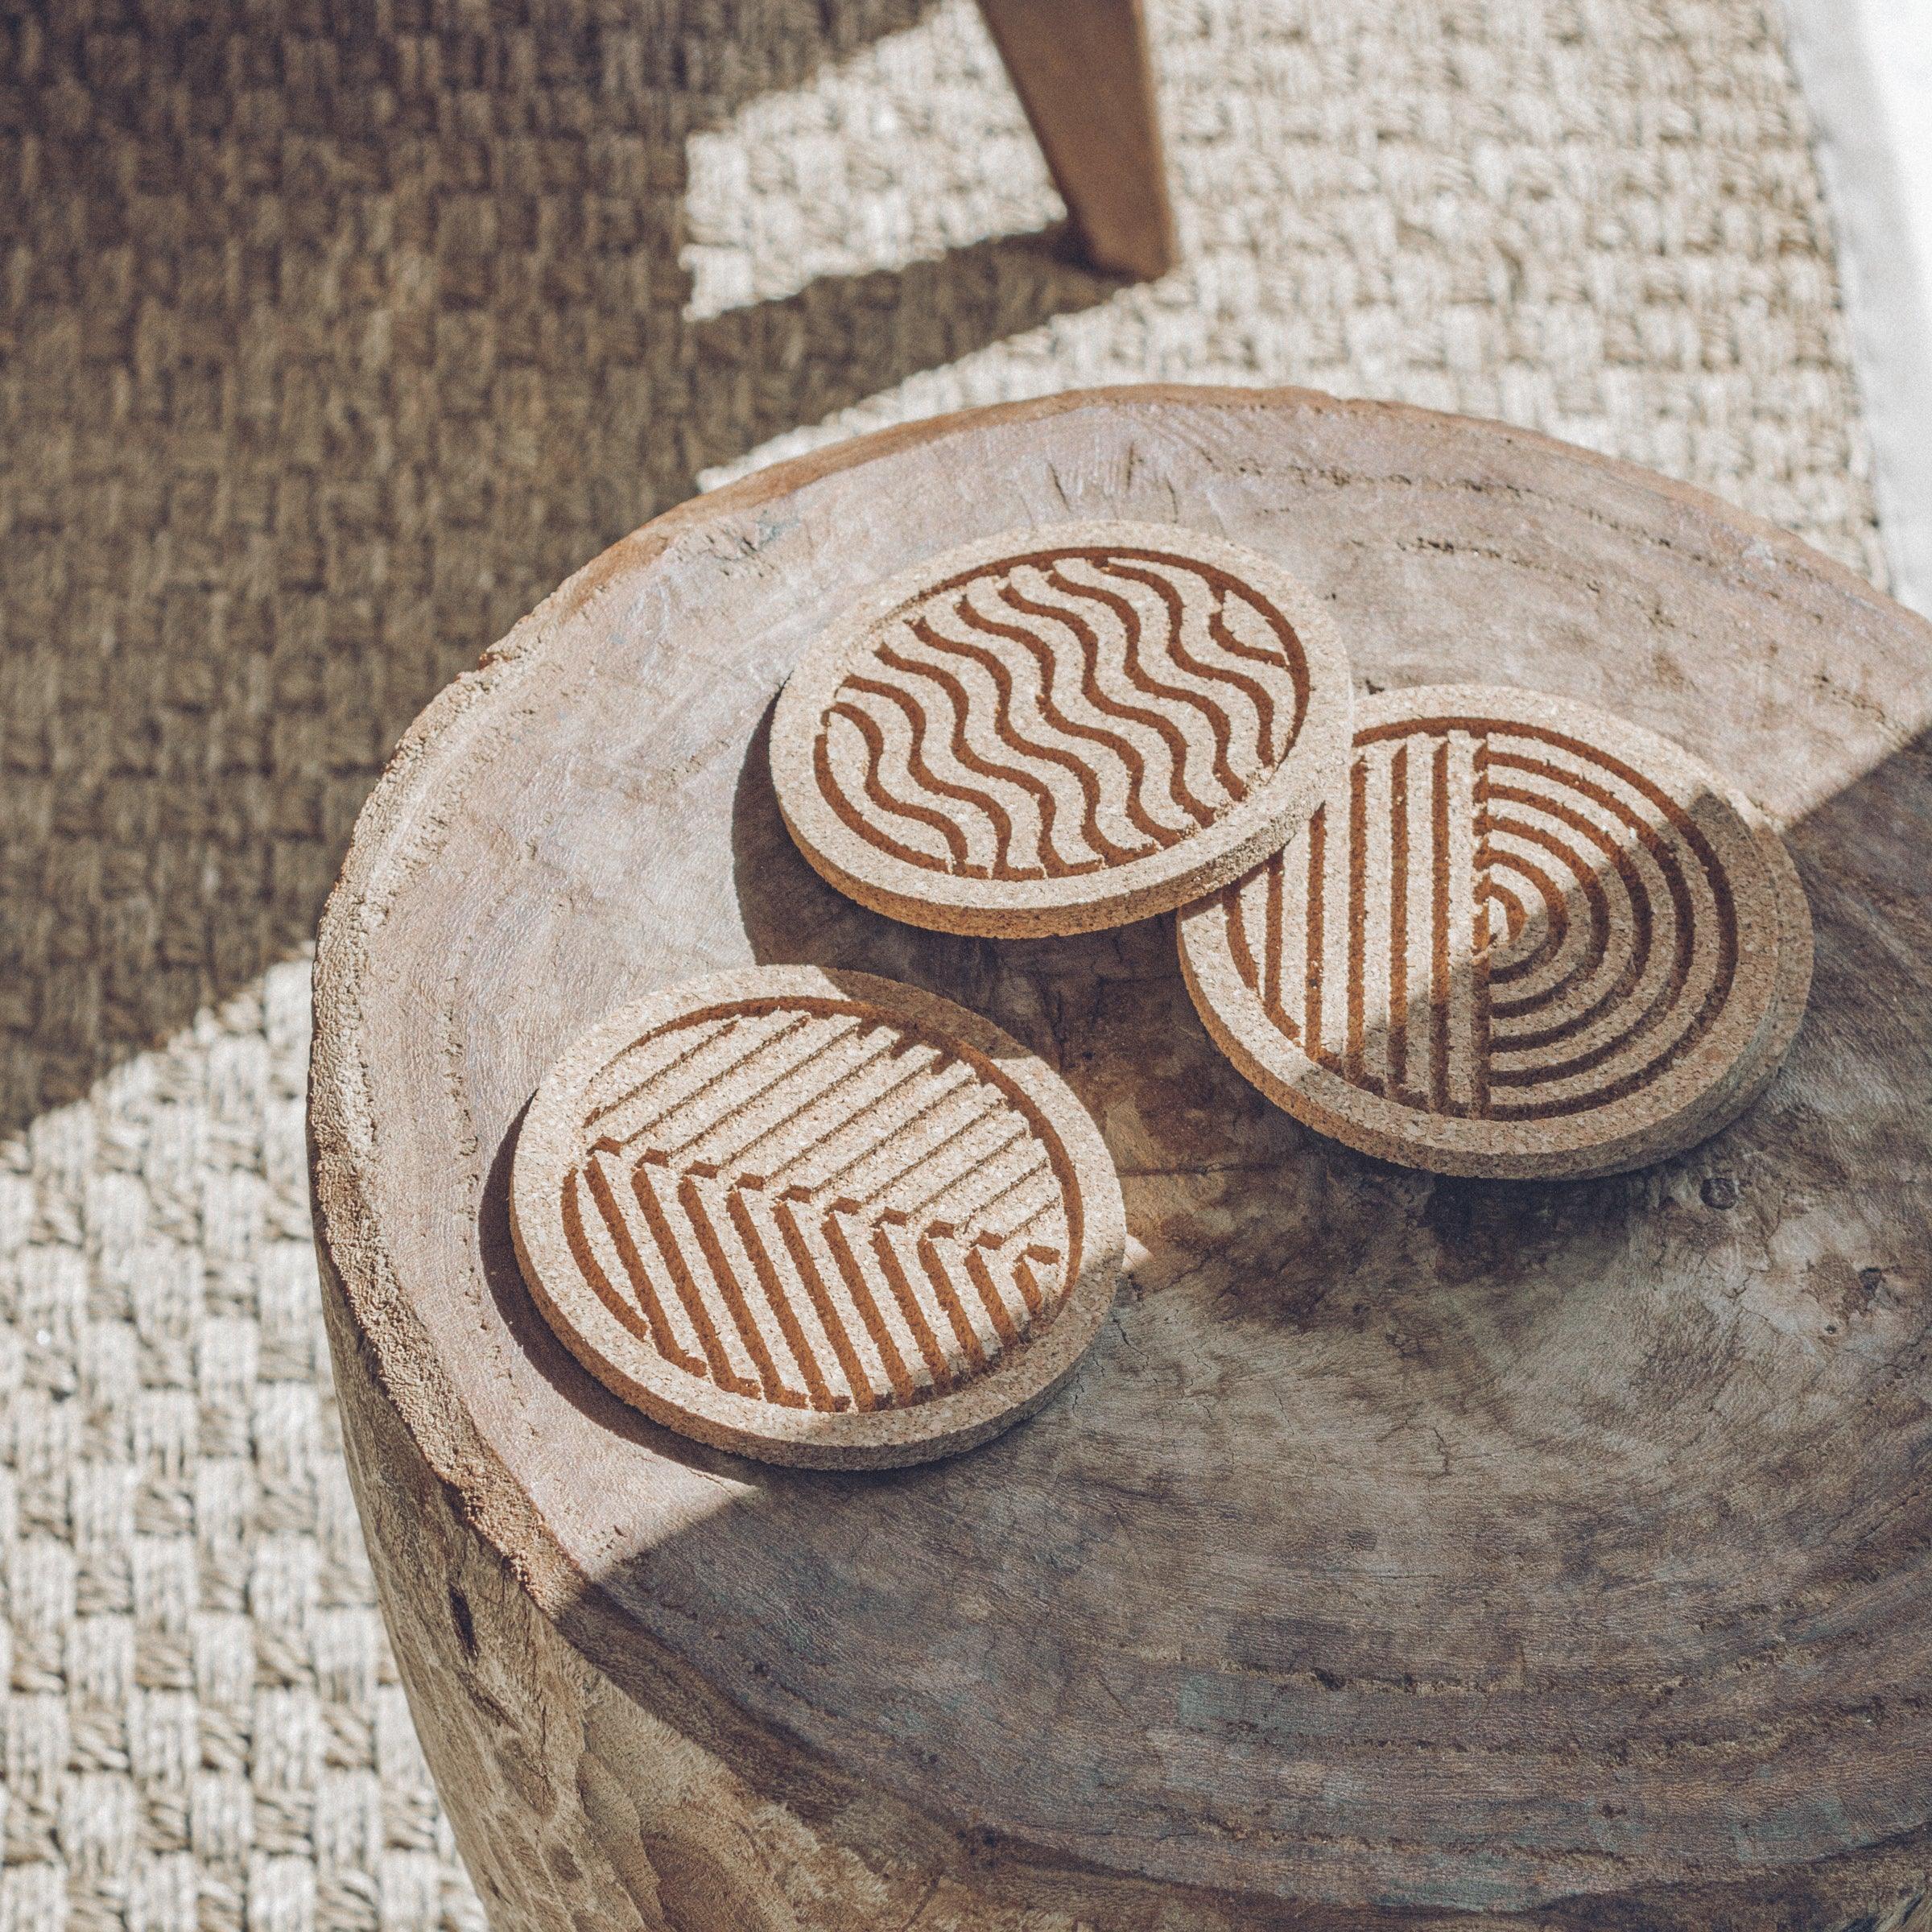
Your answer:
<point x="820" y="1218"/>
<point x="1062" y="728"/>
<point x="1525" y="938"/>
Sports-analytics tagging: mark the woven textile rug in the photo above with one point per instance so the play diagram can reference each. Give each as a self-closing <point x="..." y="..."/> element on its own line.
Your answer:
<point x="332" y="336"/>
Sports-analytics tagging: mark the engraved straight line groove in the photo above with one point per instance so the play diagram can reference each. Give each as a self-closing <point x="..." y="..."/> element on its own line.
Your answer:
<point x="691" y="1065"/>
<point x="718" y="1357"/>
<point x="654" y="1326"/>
<point x="821" y="1210"/>
<point x="1560" y="932"/>
<point x="1060" y="711"/>
<point x="787" y="1072"/>
<point x="827" y="1134"/>
<point x="857" y="1071"/>
<point x="818" y="1391"/>
<point x="749" y="1041"/>
<point x="854" y="1354"/>
<point x="731" y="1291"/>
<point x="640" y="1049"/>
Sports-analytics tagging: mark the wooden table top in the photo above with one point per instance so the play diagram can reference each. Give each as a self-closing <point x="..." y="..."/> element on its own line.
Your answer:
<point x="1406" y="1542"/>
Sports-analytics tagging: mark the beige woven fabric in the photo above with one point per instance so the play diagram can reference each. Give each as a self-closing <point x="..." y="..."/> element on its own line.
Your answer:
<point x="330" y="339"/>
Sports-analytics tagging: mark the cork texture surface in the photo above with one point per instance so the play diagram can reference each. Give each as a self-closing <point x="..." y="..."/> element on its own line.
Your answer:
<point x="1525" y="939"/>
<point x="817" y="1217"/>
<point x="508" y="287"/>
<point x="1055" y="733"/>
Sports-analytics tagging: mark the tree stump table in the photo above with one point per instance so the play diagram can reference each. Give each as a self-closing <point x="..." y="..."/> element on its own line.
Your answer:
<point x="1410" y="1552"/>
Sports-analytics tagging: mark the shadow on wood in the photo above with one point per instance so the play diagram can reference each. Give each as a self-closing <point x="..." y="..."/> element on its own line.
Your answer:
<point x="1410" y="1553"/>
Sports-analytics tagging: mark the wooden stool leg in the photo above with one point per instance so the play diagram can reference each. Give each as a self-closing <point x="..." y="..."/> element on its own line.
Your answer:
<point x="1083" y="72"/>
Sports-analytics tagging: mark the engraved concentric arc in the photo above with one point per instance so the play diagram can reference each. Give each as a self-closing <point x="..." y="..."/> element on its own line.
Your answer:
<point x="821" y="1218"/>
<point x="1523" y="937"/>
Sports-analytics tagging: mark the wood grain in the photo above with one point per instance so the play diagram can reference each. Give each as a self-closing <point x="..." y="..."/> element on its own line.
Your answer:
<point x="1414" y="1552"/>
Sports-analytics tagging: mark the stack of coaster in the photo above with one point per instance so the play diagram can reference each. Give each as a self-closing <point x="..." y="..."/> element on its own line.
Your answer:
<point x="825" y="1218"/>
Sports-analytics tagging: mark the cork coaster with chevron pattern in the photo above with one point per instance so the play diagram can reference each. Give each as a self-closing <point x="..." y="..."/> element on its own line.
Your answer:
<point x="1062" y="728"/>
<point x="819" y="1218"/>
<point x="1524" y="939"/>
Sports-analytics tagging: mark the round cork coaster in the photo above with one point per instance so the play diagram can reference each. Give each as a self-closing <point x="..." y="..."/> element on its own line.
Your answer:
<point x="1524" y="940"/>
<point x="1061" y="729"/>
<point x="820" y="1218"/>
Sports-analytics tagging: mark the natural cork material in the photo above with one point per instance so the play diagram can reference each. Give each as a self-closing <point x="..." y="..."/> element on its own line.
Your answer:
<point x="1524" y="940"/>
<point x="1051" y="731"/>
<point x="819" y="1218"/>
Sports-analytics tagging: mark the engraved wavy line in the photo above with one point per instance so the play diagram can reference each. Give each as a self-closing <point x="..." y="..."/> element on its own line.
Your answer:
<point x="959" y="707"/>
<point x="1097" y="840"/>
<point x="834" y="794"/>
<point x="959" y="703"/>
<point x="922" y="772"/>
<point x="911" y="797"/>
<point x="1219" y="726"/>
<point x="1129" y="753"/>
<point x="1287" y="659"/>
<point x="1005" y="819"/>
<point x="1285" y="655"/>
<point x="1256" y="693"/>
<point x="1169" y="733"/>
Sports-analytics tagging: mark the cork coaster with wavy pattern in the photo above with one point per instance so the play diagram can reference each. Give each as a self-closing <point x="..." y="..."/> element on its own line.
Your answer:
<point x="1059" y="729"/>
<point x="820" y="1218"/>
<point x="1526" y="938"/>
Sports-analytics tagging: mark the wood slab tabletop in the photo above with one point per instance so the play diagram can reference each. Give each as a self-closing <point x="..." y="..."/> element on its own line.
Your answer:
<point x="1408" y="1551"/>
